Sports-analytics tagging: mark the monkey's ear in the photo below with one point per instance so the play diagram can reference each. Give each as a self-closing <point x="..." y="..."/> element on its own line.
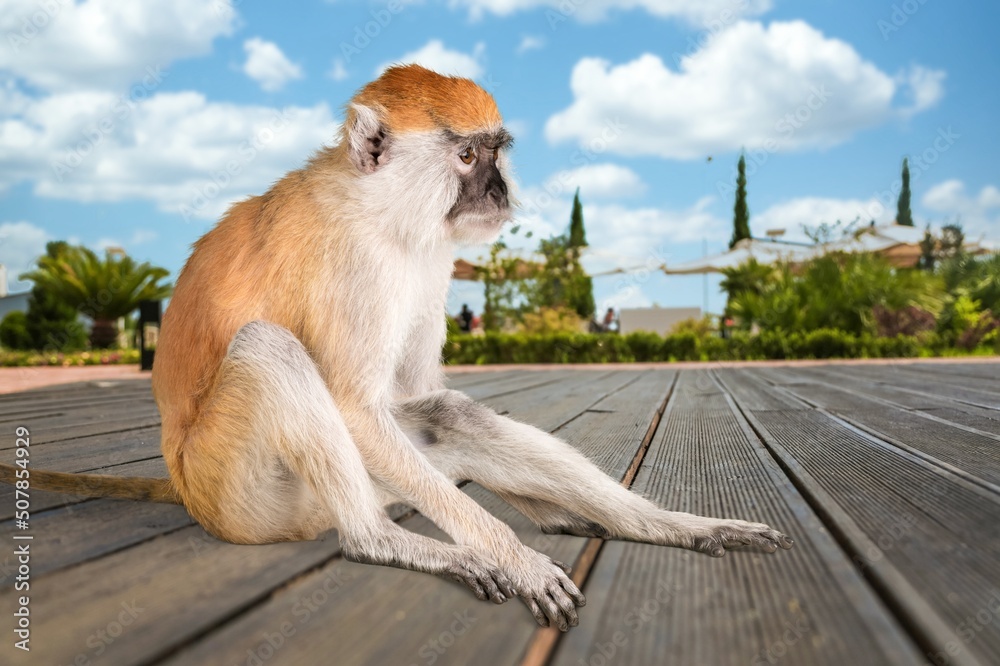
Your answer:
<point x="368" y="138"/>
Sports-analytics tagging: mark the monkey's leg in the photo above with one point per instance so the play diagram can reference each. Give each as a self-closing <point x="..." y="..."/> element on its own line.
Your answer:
<point x="554" y="484"/>
<point x="271" y="459"/>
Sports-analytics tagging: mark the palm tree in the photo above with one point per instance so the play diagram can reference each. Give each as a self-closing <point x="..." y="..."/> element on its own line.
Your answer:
<point x="103" y="289"/>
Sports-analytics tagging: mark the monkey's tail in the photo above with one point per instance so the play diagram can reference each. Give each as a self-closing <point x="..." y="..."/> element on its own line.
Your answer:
<point x="97" y="485"/>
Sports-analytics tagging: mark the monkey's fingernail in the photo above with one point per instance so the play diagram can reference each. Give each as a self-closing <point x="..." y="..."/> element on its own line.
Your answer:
<point x="718" y="551"/>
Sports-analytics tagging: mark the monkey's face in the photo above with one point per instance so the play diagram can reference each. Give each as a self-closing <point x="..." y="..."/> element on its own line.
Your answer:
<point x="483" y="202"/>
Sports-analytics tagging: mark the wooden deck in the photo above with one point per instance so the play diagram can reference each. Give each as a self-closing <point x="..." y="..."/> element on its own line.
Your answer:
<point x="887" y="477"/>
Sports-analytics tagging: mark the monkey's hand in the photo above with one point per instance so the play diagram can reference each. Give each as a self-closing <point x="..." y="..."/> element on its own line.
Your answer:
<point x="482" y="577"/>
<point x="543" y="585"/>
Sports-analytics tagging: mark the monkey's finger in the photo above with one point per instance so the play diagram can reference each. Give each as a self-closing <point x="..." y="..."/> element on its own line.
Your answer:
<point x="553" y="612"/>
<point x="573" y="591"/>
<point x="562" y="566"/>
<point x="505" y="585"/>
<point x="566" y="604"/>
<point x="536" y="612"/>
<point x="490" y="586"/>
<point x="470" y="581"/>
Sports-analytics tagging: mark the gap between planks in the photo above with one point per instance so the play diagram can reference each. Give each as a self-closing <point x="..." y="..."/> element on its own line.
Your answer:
<point x="545" y="640"/>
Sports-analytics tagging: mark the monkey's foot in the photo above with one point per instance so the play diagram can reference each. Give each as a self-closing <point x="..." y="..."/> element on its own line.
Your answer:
<point x="546" y="590"/>
<point x="713" y="536"/>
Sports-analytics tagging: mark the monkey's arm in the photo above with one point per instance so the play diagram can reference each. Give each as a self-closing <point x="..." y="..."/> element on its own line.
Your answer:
<point x="393" y="460"/>
<point x="97" y="485"/>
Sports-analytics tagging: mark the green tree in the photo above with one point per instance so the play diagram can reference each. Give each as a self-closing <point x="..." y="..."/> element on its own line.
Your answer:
<point x="562" y="282"/>
<point x="741" y="212"/>
<point x="501" y="286"/>
<point x="952" y="240"/>
<point x="903" y="214"/>
<point x="928" y="251"/>
<point x="51" y="323"/>
<point x="577" y="234"/>
<point x="103" y="289"/>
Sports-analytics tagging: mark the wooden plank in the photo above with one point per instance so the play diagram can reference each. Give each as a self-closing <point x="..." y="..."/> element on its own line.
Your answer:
<point x="79" y="532"/>
<point x="985" y="370"/>
<point x="419" y="613"/>
<point x="237" y="577"/>
<point x="752" y="389"/>
<point x="889" y="375"/>
<point x="522" y="381"/>
<point x="650" y="605"/>
<point x="972" y="453"/>
<point x="928" y="540"/>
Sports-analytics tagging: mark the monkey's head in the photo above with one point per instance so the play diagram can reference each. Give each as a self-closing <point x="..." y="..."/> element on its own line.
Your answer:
<point x="433" y="148"/>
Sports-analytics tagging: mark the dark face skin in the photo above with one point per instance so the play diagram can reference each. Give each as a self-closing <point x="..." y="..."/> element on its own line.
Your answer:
<point x="483" y="192"/>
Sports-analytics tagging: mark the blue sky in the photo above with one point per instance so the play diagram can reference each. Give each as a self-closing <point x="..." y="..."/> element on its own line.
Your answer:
<point x="136" y="124"/>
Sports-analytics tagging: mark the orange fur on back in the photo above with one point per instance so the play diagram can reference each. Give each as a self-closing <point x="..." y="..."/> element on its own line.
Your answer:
<point x="418" y="99"/>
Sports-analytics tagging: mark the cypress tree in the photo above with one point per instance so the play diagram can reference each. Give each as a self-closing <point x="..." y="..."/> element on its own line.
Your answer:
<point x="903" y="214"/>
<point x="577" y="235"/>
<point x="741" y="213"/>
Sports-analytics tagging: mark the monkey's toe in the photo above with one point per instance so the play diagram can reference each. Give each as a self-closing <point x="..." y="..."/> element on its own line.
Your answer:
<point x="731" y="534"/>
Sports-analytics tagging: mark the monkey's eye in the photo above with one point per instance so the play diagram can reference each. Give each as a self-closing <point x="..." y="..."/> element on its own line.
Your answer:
<point x="496" y="154"/>
<point x="467" y="155"/>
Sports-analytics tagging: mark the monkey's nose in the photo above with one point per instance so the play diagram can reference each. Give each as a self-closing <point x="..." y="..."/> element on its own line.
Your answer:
<point x="497" y="192"/>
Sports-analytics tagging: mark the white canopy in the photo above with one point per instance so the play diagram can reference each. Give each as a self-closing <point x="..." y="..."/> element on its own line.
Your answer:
<point x="899" y="244"/>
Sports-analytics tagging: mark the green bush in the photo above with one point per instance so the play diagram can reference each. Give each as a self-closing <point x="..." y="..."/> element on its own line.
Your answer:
<point x="588" y="348"/>
<point x="14" y="331"/>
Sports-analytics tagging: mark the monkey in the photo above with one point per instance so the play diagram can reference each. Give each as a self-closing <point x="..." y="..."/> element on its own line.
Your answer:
<point x="298" y="372"/>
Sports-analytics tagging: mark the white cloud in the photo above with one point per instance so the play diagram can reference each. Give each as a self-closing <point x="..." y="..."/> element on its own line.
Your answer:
<point x="139" y="237"/>
<point x="267" y="65"/>
<point x="781" y="87"/>
<point x="792" y="214"/>
<point x="530" y="43"/>
<point x="434" y="55"/>
<point x="979" y="214"/>
<point x="618" y="235"/>
<point x="21" y="243"/>
<point x="924" y="86"/>
<point x="176" y="149"/>
<point x="338" y="71"/>
<point x="557" y="11"/>
<point x="599" y="181"/>
<point x="63" y="45"/>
